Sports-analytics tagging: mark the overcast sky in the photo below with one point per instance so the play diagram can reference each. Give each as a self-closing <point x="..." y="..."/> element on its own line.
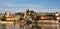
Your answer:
<point x="36" y="5"/>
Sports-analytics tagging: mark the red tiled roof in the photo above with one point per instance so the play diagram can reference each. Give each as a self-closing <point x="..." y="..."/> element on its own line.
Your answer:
<point x="47" y="18"/>
<point x="10" y="16"/>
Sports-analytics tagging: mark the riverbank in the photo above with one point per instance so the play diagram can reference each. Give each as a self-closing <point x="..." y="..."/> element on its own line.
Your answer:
<point x="4" y="22"/>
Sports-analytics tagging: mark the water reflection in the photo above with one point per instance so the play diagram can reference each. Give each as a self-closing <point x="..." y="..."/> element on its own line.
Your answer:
<point x="30" y="26"/>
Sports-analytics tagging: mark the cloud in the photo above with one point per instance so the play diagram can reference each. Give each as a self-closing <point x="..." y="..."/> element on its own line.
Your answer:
<point x="7" y="1"/>
<point x="22" y="5"/>
<point x="8" y="5"/>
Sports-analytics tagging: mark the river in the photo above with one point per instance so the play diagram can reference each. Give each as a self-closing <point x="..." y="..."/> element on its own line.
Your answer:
<point x="29" y="26"/>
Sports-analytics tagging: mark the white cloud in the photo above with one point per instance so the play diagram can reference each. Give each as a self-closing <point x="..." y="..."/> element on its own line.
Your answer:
<point x="12" y="0"/>
<point x="14" y="7"/>
<point x="23" y="5"/>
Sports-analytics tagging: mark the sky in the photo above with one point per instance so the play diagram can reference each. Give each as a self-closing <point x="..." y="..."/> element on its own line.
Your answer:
<point x="14" y="6"/>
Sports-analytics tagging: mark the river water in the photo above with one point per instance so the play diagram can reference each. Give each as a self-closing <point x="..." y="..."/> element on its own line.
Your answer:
<point x="29" y="26"/>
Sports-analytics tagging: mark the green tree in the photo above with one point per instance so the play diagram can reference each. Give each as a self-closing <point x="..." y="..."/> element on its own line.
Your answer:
<point x="3" y="18"/>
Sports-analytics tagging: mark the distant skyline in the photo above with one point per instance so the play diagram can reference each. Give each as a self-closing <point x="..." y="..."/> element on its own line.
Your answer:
<point x="36" y="5"/>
